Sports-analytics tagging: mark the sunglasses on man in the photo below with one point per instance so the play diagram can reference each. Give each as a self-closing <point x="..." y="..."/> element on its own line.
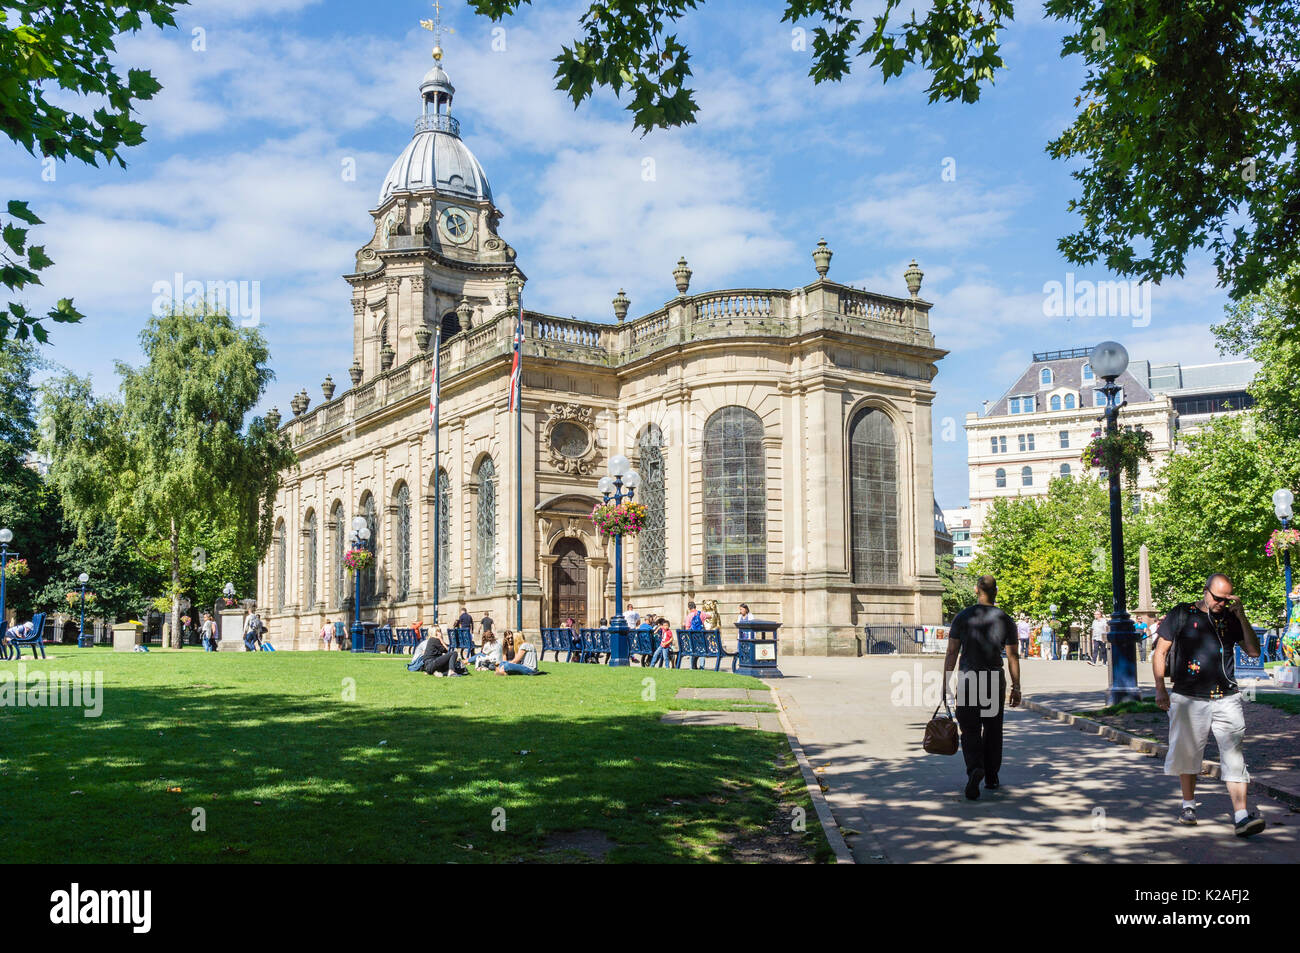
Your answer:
<point x="1221" y="600"/>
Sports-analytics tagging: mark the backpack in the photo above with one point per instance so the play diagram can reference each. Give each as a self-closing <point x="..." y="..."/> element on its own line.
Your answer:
<point x="1174" y="621"/>
<point x="697" y="621"/>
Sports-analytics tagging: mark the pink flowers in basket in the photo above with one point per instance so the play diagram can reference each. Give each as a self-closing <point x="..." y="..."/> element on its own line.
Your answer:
<point x="1282" y="541"/>
<point x="619" y="519"/>
<point x="358" y="560"/>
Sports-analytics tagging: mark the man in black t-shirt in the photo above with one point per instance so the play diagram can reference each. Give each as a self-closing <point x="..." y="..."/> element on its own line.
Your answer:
<point x="976" y="641"/>
<point x="466" y="621"/>
<point x="1196" y="645"/>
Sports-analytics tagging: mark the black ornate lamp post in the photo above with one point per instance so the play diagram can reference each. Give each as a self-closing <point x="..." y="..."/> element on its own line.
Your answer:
<point x="81" y="635"/>
<point x="1282" y="500"/>
<point x="6" y="537"/>
<point x="621" y="475"/>
<point x="1109" y="360"/>
<point x="360" y="534"/>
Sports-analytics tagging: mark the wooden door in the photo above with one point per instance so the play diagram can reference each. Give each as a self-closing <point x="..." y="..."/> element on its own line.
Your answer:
<point x="569" y="583"/>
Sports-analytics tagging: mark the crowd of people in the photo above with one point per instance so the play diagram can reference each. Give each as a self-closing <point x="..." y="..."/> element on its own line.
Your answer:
<point x="1053" y="640"/>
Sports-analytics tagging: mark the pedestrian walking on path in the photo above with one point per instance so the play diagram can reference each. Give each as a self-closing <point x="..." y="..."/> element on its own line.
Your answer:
<point x="1196" y="646"/>
<point x="975" y="643"/>
<point x="1100" y="628"/>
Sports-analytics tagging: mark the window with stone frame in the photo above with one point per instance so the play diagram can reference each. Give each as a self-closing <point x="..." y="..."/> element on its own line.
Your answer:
<point x="735" y="499"/>
<point x="403" y="543"/>
<point x="339" y="533"/>
<point x="873" y="497"/>
<point x="310" y="542"/>
<point x="281" y="563"/>
<point x="651" y="540"/>
<point x="370" y="576"/>
<point x="444" y="534"/>
<point x="485" y="529"/>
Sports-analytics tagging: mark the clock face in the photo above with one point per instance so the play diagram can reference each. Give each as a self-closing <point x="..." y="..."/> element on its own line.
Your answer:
<point x="456" y="225"/>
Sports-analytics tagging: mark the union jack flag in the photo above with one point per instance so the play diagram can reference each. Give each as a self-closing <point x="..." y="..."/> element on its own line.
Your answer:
<point x="516" y="369"/>
<point x="435" y="388"/>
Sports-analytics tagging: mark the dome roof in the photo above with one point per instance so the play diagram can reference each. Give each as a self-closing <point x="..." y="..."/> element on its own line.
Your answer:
<point x="437" y="159"/>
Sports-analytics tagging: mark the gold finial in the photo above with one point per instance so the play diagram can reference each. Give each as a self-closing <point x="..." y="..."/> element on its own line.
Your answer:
<point x="435" y="27"/>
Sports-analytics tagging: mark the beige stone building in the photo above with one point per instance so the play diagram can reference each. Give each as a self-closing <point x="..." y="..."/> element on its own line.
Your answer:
<point x="782" y="435"/>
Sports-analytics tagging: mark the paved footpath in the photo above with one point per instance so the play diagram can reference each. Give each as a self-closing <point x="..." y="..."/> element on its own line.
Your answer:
<point x="1067" y="796"/>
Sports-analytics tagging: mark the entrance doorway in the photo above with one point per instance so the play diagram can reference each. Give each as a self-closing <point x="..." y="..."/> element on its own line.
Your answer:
<point x="569" y="583"/>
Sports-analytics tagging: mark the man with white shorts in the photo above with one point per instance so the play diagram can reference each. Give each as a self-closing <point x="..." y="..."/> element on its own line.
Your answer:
<point x="1196" y="646"/>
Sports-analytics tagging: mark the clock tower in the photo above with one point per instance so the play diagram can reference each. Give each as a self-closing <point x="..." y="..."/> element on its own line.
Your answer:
<point x="435" y="260"/>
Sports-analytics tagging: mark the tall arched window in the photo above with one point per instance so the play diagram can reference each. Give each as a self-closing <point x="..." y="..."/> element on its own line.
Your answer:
<point x="369" y="576"/>
<point x="873" y="497"/>
<point x="442" y="533"/>
<point x="310" y="542"/>
<point x="1000" y="478"/>
<point x="1056" y="402"/>
<point x="1026" y="476"/>
<point x="1069" y="402"/>
<point x="339" y="535"/>
<point x="1045" y="376"/>
<point x="403" y="530"/>
<point x="650" y="541"/>
<point x="281" y="563"/>
<point x="485" y="553"/>
<point x="735" y="499"/>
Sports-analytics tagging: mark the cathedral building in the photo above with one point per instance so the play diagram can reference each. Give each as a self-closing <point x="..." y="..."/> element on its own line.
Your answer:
<point x="782" y="436"/>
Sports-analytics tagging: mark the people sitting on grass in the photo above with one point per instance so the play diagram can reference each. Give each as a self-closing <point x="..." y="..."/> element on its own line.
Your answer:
<point x="417" y="661"/>
<point x="434" y="658"/>
<point x="523" y="663"/>
<point x="507" y="644"/>
<point x="488" y="657"/>
<point x="665" y="645"/>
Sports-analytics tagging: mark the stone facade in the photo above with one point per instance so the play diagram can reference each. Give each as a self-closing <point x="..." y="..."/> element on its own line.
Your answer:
<point x="797" y="368"/>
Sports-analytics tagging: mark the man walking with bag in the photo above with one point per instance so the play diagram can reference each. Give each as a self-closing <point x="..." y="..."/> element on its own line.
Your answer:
<point x="975" y="643"/>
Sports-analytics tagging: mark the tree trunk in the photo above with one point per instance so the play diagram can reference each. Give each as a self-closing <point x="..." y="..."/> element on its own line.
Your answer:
<point x="176" y="587"/>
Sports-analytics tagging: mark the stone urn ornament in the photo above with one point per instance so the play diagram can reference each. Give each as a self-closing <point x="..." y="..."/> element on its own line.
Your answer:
<point x="913" y="277"/>
<point x="422" y="335"/>
<point x="355" y="373"/>
<point x="621" y="304"/>
<point x="386" y="357"/>
<point x="327" y="387"/>
<point x="682" y="276"/>
<point x="822" y="258"/>
<point x="273" y="418"/>
<point x="465" y="312"/>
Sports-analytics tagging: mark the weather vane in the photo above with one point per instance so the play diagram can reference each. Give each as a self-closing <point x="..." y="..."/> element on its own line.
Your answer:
<point x="435" y="27"/>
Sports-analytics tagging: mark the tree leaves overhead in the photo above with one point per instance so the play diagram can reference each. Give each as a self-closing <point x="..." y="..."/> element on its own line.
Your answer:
<point x="66" y="47"/>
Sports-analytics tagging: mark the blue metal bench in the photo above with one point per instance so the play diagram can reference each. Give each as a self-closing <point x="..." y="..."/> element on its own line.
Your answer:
<point x="384" y="638"/>
<point x="595" y="642"/>
<point x="557" y="641"/>
<point x="700" y="645"/>
<point x="404" y="641"/>
<point x="643" y="642"/>
<point x="461" y="640"/>
<point x="36" y="639"/>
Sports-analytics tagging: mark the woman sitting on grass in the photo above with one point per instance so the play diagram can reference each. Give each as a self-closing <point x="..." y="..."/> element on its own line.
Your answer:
<point x="488" y="655"/>
<point x="524" y="662"/>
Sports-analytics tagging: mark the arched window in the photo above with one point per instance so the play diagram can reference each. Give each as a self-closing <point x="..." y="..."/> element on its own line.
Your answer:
<point x="1001" y="477"/>
<point x="403" y="530"/>
<point x="450" y="324"/>
<point x="443" y="533"/>
<point x="650" y="541"/>
<point x="1026" y="476"/>
<point x="735" y="499"/>
<point x="1065" y="469"/>
<point x="873" y="497"/>
<point x="1045" y="376"/>
<point x="1087" y="372"/>
<point x="281" y="563"/>
<point x="310" y="542"/>
<point x="339" y="534"/>
<point x="370" y="576"/>
<point x="1069" y="402"/>
<point x="1056" y="402"/>
<point x="485" y="553"/>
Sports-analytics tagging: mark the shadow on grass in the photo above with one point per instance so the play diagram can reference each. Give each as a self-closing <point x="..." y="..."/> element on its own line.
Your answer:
<point x="444" y="772"/>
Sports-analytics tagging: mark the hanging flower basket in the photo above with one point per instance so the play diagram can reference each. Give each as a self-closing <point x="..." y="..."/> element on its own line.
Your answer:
<point x="1119" y="452"/>
<point x="17" y="568"/>
<point x="74" y="598"/>
<point x="1282" y="541"/>
<point x="358" y="560"/>
<point x="619" y="519"/>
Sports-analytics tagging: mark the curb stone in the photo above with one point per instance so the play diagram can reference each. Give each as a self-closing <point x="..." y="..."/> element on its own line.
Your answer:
<point x="1154" y="749"/>
<point x="832" y="830"/>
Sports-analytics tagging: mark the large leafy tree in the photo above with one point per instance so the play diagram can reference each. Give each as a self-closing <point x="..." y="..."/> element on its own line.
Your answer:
<point x="1186" y="124"/>
<point x="48" y="49"/>
<point x="174" y="455"/>
<point x="958" y="586"/>
<point x="1264" y="326"/>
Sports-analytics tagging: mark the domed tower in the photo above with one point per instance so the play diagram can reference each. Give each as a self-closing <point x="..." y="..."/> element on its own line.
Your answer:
<point x="435" y="258"/>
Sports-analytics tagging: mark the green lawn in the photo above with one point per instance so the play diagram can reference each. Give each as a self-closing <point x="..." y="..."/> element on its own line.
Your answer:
<point x="1287" y="703"/>
<point x="321" y="757"/>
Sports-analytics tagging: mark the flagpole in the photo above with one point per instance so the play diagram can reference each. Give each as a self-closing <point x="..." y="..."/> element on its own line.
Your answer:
<point x="519" y="480"/>
<point x="437" y="494"/>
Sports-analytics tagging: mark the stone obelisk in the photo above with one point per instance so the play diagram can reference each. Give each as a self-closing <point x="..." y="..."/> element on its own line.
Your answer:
<point x="1144" y="581"/>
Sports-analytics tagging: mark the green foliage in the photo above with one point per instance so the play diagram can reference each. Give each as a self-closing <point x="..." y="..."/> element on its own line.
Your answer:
<point x="1186" y="134"/>
<point x="958" y="586"/>
<point x="172" y="460"/>
<point x="122" y="578"/>
<point x="62" y="49"/>
<point x="1266" y="326"/>
<point x="1186" y="124"/>
<point x="18" y="360"/>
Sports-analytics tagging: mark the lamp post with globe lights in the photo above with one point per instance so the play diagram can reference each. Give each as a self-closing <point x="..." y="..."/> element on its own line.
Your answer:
<point x="6" y="537"/>
<point x="81" y="635"/>
<point x="360" y="536"/>
<point x="621" y="476"/>
<point x="1282" y="500"/>
<point x="1108" y="361"/>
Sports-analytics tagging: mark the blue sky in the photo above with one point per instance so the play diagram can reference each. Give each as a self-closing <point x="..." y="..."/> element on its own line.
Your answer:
<point x="242" y="179"/>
